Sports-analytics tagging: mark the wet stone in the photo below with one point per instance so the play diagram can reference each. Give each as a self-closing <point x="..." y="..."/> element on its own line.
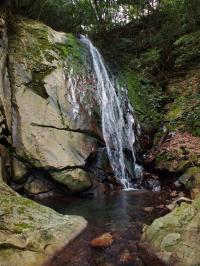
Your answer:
<point x="148" y="209"/>
<point x="103" y="241"/>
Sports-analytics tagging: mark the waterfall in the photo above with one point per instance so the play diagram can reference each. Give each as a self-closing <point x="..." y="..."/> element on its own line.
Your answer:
<point x="117" y="124"/>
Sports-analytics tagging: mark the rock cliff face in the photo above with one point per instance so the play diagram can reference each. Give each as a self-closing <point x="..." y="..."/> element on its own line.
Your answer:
<point x="46" y="99"/>
<point x="5" y="99"/>
<point x="38" y="135"/>
<point x="43" y="132"/>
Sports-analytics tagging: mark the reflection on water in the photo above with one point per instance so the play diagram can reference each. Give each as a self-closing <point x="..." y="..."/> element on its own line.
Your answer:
<point x="122" y="214"/>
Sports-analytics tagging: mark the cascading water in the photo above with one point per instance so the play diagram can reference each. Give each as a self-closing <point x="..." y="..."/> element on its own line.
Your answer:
<point x="117" y="126"/>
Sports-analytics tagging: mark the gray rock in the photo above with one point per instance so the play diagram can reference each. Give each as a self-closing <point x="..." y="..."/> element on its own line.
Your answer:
<point x="29" y="232"/>
<point x="48" y="131"/>
<point x="36" y="185"/>
<point x="175" y="237"/>
<point x="76" y="180"/>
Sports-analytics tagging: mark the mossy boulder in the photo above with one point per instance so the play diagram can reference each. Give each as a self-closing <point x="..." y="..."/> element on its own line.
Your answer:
<point x="76" y="180"/>
<point x="176" y="153"/>
<point x="29" y="232"/>
<point x="172" y="165"/>
<point x="175" y="237"/>
<point x="191" y="178"/>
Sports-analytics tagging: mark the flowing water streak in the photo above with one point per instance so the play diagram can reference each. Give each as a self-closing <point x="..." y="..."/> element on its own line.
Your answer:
<point x="118" y="133"/>
<point x="72" y="84"/>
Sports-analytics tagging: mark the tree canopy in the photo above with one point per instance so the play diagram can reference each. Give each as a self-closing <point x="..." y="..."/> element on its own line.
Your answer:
<point x="104" y="15"/>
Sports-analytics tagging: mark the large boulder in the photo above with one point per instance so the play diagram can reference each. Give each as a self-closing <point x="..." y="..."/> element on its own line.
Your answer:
<point x="29" y="232"/>
<point x="52" y="128"/>
<point x="175" y="237"/>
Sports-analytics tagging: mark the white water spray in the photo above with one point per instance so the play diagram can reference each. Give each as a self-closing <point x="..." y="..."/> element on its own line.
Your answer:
<point x="117" y="127"/>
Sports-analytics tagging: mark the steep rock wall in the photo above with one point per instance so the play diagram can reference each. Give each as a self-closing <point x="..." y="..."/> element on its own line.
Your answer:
<point x="50" y="118"/>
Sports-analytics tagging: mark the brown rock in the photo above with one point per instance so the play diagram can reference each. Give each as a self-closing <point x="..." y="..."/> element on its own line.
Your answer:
<point x="102" y="241"/>
<point x="127" y="257"/>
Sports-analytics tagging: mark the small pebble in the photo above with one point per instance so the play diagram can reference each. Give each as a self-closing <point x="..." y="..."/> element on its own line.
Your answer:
<point x="148" y="209"/>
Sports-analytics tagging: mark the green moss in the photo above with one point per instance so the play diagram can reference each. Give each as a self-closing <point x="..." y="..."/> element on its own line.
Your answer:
<point x="20" y="227"/>
<point x="72" y="52"/>
<point x="29" y="44"/>
<point x="145" y="98"/>
<point x="36" y="50"/>
<point x="27" y="228"/>
<point x="172" y="162"/>
<point x="171" y="223"/>
<point x="184" y="114"/>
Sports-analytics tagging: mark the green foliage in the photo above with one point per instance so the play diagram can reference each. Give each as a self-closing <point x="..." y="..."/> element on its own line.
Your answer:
<point x="148" y="62"/>
<point x="59" y="14"/>
<point x="187" y="50"/>
<point x="192" y="118"/>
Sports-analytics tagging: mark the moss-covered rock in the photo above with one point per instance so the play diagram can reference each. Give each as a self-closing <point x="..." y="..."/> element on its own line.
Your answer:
<point x="29" y="232"/>
<point x="191" y="178"/>
<point x="76" y="180"/>
<point x="145" y="98"/>
<point x="176" y="153"/>
<point x="175" y="237"/>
